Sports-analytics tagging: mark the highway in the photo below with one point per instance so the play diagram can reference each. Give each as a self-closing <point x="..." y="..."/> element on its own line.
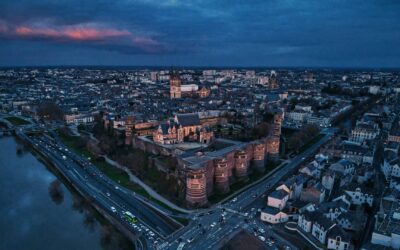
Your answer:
<point x="208" y="229"/>
<point x="152" y="226"/>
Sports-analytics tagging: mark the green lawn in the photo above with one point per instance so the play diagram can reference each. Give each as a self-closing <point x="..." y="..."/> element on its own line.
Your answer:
<point x="110" y="171"/>
<point x="16" y="121"/>
<point x="113" y="173"/>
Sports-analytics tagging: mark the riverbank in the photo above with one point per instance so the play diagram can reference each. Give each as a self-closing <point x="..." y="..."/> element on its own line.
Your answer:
<point x="31" y="216"/>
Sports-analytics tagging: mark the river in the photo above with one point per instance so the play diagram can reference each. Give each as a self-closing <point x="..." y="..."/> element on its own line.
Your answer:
<point x="39" y="212"/>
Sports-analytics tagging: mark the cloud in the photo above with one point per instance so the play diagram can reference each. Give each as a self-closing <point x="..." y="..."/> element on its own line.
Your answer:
<point x="74" y="33"/>
<point x="93" y="34"/>
<point x="207" y="31"/>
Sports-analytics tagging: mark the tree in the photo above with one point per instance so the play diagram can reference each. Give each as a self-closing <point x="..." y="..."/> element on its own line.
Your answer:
<point x="300" y="138"/>
<point x="49" y="110"/>
<point x="56" y="192"/>
<point x="261" y="130"/>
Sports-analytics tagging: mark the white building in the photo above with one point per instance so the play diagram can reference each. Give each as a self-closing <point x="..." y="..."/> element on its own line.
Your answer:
<point x="320" y="228"/>
<point x="78" y="119"/>
<point x="274" y="215"/>
<point x="278" y="199"/>
<point x="364" y="131"/>
<point x="386" y="231"/>
<point x="338" y="239"/>
<point x="305" y="221"/>
<point x="358" y="196"/>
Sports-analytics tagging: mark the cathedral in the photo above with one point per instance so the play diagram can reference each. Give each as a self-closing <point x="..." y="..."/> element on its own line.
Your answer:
<point x="175" y="86"/>
<point x="184" y="127"/>
<point x="177" y="90"/>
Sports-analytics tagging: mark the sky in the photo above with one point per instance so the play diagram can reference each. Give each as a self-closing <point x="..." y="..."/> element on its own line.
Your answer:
<point x="274" y="33"/>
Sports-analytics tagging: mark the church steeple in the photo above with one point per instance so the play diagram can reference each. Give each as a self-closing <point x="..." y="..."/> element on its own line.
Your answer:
<point x="175" y="85"/>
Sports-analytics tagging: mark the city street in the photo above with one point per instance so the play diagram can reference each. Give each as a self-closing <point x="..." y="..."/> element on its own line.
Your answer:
<point x="207" y="230"/>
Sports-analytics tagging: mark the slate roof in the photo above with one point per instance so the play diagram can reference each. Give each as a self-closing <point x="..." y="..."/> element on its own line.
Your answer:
<point x="278" y="194"/>
<point x="166" y="126"/>
<point x="271" y="210"/>
<point x="188" y="119"/>
<point x="338" y="231"/>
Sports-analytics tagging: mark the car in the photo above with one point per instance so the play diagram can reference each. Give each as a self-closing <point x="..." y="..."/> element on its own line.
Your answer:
<point x="108" y="194"/>
<point x="234" y="199"/>
<point x="262" y="238"/>
<point x="246" y="214"/>
<point x="113" y="209"/>
<point x="213" y="224"/>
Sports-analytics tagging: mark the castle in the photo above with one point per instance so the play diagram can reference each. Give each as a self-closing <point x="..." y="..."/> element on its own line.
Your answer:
<point x="211" y="169"/>
<point x="214" y="171"/>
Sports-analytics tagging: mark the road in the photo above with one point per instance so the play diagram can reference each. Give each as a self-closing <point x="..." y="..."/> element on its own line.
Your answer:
<point x="116" y="201"/>
<point x="207" y="230"/>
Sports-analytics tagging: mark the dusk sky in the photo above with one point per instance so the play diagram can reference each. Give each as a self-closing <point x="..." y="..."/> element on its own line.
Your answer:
<point x="200" y="33"/>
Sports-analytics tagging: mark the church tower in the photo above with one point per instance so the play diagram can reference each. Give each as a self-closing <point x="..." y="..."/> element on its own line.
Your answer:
<point x="175" y="85"/>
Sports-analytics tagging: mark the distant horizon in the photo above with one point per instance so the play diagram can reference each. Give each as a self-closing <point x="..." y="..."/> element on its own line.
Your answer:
<point x="203" y="67"/>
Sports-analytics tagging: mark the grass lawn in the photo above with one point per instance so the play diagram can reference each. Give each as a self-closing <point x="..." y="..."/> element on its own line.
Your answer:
<point x="112" y="172"/>
<point x="16" y="121"/>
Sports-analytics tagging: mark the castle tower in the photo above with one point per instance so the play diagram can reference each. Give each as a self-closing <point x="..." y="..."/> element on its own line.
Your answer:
<point x="273" y="143"/>
<point x="221" y="175"/>
<point x="196" y="191"/>
<point x="129" y="125"/>
<point x="259" y="156"/>
<point x="241" y="164"/>
<point x="276" y="127"/>
<point x="175" y="86"/>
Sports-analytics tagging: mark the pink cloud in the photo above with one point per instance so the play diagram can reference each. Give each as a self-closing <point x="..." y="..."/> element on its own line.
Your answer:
<point x="71" y="33"/>
<point x="95" y="34"/>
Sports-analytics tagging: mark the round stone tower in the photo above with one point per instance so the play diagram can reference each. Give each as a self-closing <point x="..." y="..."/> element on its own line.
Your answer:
<point x="221" y="175"/>
<point x="241" y="164"/>
<point x="273" y="148"/>
<point x="196" y="191"/>
<point x="259" y="156"/>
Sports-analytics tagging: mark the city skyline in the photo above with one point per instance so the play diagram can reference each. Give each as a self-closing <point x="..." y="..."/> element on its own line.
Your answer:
<point x="261" y="34"/>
